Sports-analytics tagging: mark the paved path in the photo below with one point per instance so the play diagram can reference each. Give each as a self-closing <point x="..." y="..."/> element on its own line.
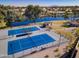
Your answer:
<point x="49" y="51"/>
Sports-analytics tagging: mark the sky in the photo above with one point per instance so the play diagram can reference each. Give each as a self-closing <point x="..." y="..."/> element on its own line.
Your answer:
<point x="40" y="2"/>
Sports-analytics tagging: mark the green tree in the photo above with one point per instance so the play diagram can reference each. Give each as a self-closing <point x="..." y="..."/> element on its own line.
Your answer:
<point x="29" y="12"/>
<point x="75" y="13"/>
<point x="1" y="17"/>
<point x="6" y="13"/>
<point x="54" y="15"/>
<point x="10" y="16"/>
<point x="66" y="15"/>
<point x="32" y="12"/>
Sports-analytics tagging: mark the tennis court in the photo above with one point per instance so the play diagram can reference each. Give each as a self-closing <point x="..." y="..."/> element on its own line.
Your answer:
<point x="44" y="19"/>
<point x="28" y="43"/>
<point x="23" y="30"/>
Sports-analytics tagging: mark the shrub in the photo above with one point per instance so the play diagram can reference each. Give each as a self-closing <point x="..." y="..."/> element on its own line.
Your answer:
<point x="8" y="23"/>
<point x="46" y="56"/>
<point x="58" y="55"/>
<point x="56" y="50"/>
<point x="2" y="27"/>
<point x="67" y="26"/>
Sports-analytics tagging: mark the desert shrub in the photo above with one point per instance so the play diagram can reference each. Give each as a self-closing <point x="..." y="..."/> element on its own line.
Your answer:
<point x="56" y="50"/>
<point x="46" y="56"/>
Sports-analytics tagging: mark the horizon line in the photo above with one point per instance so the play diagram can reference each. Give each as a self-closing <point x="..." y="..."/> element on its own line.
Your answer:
<point x="38" y="5"/>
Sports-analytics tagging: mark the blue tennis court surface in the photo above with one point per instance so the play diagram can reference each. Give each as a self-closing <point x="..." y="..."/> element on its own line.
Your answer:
<point x="44" y="19"/>
<point x="37" y="20"/>
<point x="27" y="43"/>
<point x="18" y="31"/>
